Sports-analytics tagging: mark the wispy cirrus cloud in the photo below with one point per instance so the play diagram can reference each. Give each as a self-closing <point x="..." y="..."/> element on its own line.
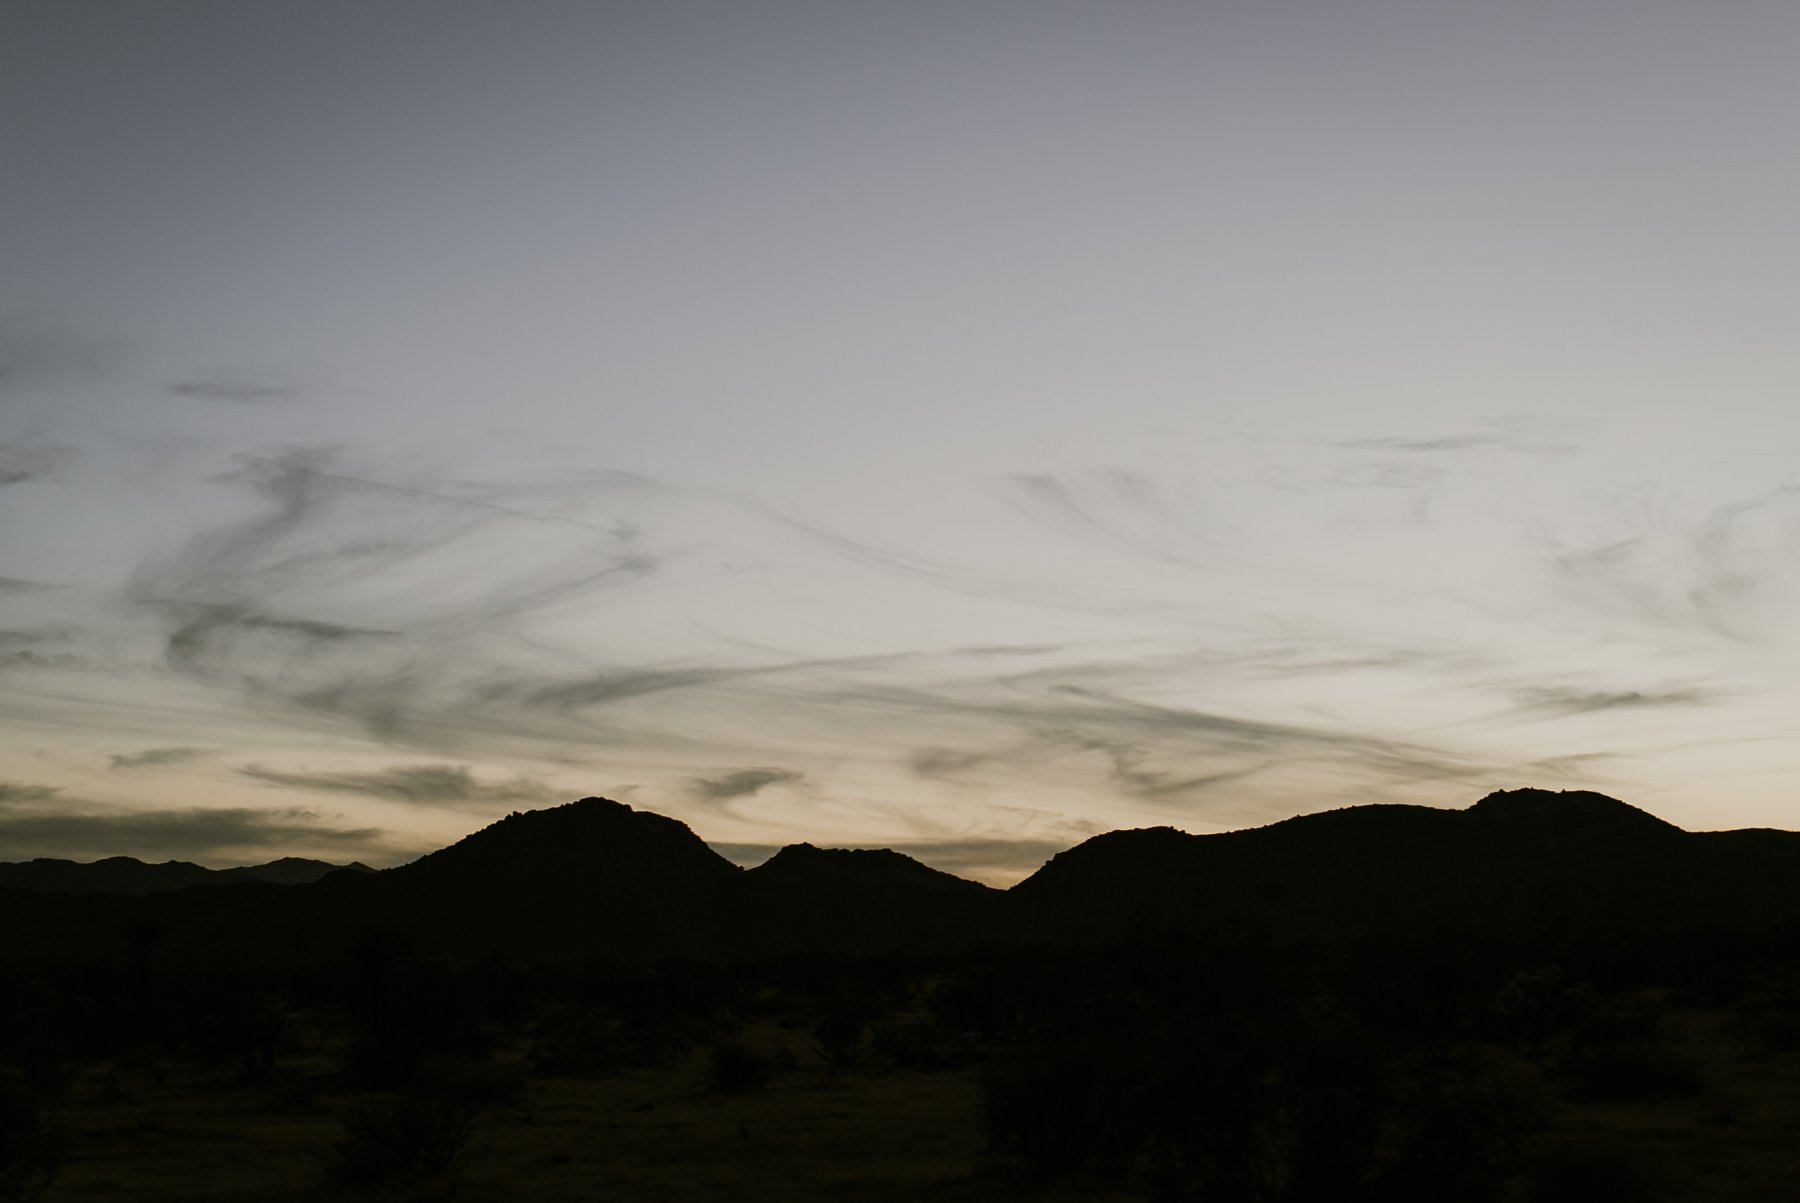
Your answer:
<point x="446" y="785"/>
<point x="242" y="392"/>
<point x="40" y="820"/>
<point x="743" y="783"/>
<point x="1562" y="700"/>
<point x="155" y="757"/>
<point x="1500" y="439"/>
<point x="13" y="793"/>
<point x="1712" y="572"/>
<point x="23" y="460"/>
<point x="34" y="353"/>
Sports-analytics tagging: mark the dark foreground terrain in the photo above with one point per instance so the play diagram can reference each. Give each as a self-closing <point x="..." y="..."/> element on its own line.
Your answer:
<point x="1543" y="997"/>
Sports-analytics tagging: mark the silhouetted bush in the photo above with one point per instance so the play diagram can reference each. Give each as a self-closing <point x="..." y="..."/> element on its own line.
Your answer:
<point x="840" y="1027"/>
<point x="578" y="1042"/>
<point x="411" y="1135"/>
<point x="1539" y="1007"/>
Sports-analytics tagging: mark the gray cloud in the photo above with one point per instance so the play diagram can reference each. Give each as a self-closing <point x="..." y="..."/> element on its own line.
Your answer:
<point x="459" y="660"/>
<point x="43" y="820"/>
<point x="34" y="354"/>
<point x="238" y="391"/>
<point x="13" y="792"/>
<point x="12" y="584"/>
<point x="1716" y="574"/>
<point x="945" y="762"/>
<point x="185" y="834"/>
<point x="21" y="650"/>
<point x="196" y="639"/>
<point x="1123" y="511"/>
<point x="743" y="783"/>
<point x="327" y="537"/>
<point x="1468" y="441"/>
<point x="150" y="757"/>
<point x="1561" y="700"/>
<point x="419" y="784"/>
<point x="1389" y="476"/>
<point x="41" y="660"/>
<point x="617" y="686"/>
<point x="1150" y="751"/>
<point x="23" y="460"/>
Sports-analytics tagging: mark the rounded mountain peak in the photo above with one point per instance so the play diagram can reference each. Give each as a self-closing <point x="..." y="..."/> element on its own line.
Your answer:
<point x="1571" y="810"/>
<point x="591" y="831"/>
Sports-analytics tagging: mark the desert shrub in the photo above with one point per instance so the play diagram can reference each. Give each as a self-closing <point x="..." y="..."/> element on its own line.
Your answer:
<point x="1536" y="1007"/>
<point x="735" y="1067"/>
<point x="577" y="1042"/>
<point x="409" y="1135"/>
<point x="840" y="1027"/>
<point x="32" y="1147"/>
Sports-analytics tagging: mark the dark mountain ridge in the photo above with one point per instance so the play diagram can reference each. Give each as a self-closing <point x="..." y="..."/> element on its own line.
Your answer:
<point x="128" y="875"/>
<point x="599" y="879"/>
<point x="1518" y="864"/>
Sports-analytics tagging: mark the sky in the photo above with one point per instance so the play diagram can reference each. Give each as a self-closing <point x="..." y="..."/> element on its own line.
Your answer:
<point x="962" y="428"/>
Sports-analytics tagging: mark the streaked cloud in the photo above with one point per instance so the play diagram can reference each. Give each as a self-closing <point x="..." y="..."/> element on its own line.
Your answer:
<point x="23" y="460"/>
<point x="13" y="793"/>
<point x="743" y="783"/>
<point x="1564" y="700"/>
<point x="446" y="785"/>
<point x="242" y="392"/>
<point x="155" y="757"/>
<point x="204" y="835"/>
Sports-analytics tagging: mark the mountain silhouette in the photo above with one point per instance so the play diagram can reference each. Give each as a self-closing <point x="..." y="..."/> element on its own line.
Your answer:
<point x="128" y="875"/>
<point x="597" y="879"/>
<point x="837" y="899"/>
<point x="591" y="878"/>
<point x="1524" y="863"/>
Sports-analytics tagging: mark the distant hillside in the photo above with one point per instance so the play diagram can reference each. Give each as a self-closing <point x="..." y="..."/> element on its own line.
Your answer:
<point x="127" y="875"/>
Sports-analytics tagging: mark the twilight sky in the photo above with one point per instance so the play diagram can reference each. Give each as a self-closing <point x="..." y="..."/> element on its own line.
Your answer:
<point x="955" y="427"/>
